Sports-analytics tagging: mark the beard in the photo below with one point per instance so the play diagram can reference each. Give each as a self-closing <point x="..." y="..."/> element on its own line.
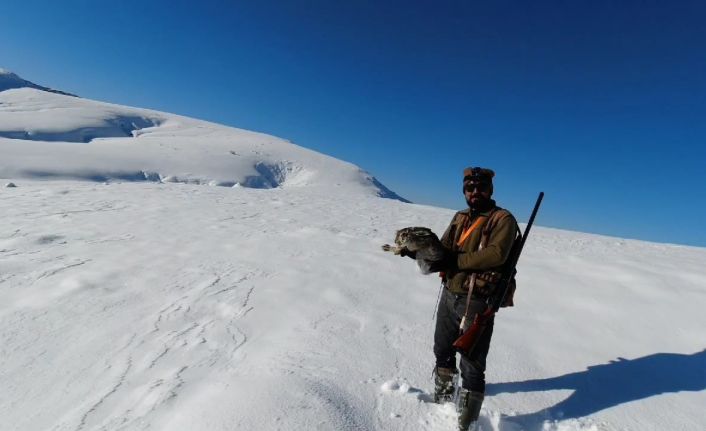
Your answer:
<point x="478" y="202"/>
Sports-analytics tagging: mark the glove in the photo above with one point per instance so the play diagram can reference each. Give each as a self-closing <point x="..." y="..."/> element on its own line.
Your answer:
<point x="408" y="253"/>
<point x="437" y="266"/>
<point x="446" y="264"/>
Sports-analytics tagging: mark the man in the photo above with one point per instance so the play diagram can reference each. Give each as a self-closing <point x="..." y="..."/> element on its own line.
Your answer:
<point x="477" y="243"/>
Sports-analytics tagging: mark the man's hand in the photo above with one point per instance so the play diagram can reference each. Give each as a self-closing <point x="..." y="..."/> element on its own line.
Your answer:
<point x="408" y="253"/>
<point x="446" y="264"/>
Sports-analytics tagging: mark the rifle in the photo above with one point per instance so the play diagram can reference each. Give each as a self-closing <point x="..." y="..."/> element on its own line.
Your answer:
<point x="469" y="339"/>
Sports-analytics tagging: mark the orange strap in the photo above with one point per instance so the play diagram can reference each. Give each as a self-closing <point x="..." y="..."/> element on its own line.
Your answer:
<point x="466" y="233"/>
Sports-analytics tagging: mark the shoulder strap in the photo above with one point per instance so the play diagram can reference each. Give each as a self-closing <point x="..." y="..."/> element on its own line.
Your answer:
<point x="495" y="216"/>
<point x="490" y="221"/>
<point x="467" y="232"/>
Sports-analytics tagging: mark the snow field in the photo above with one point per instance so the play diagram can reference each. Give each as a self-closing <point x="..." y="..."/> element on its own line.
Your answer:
<point x="171" y="306"/>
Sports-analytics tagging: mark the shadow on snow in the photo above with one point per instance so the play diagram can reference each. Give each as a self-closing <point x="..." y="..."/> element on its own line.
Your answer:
<point x="608" y="385"/>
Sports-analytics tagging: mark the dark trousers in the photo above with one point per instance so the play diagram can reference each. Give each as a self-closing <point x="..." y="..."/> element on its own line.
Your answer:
<point x="448" y="319"/>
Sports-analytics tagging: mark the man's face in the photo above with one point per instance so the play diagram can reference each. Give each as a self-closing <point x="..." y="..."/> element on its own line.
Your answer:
<point x="477" y="193"/>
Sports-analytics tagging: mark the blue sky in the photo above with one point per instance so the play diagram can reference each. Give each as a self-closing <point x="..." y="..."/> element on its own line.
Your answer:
<point x="600" y="104"/>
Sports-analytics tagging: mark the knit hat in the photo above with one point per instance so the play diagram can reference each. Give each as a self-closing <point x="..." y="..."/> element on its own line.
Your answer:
<point x="481" y="175"/>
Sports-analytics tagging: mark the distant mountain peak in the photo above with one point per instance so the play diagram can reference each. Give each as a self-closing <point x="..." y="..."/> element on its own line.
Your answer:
<point x="9" y="80"/>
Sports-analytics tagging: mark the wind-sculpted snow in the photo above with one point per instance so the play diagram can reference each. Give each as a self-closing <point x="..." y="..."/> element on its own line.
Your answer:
<point x="52" y="136"/>
<point x="161" y="306"/>
<point x="117" y="127"/>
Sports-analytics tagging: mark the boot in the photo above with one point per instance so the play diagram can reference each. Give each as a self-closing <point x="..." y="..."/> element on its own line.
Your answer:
<point x="469" y="404"/>
<point x="444" y="384"/>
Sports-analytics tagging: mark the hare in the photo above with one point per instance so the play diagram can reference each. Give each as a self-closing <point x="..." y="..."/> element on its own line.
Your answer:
<point x="420" y="243"/>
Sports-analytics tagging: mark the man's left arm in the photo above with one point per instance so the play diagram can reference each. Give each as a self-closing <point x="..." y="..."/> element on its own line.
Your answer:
<point x="495" y="252"/>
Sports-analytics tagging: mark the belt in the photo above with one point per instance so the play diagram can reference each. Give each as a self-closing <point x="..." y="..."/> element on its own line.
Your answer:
<point x="455" y="295"/>
<point x="463" y="296"/>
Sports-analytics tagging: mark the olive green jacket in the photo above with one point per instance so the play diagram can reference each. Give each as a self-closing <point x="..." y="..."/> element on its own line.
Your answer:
<point x="468" y="257"/>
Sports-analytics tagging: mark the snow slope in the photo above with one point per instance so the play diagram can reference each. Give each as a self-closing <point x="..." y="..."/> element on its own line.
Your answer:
<point x="151" y="305"/>
<point x="170" y="306"/>
<point x="55" y="136"/>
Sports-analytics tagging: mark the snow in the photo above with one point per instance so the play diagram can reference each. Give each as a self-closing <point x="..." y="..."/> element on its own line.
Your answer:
<point x="168" y="304"/>
<point x="52" y="136"/>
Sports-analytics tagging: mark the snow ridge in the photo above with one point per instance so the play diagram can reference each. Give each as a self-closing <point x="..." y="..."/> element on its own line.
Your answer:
<point x="9" y="80"/>
<point x="47" y="135"/>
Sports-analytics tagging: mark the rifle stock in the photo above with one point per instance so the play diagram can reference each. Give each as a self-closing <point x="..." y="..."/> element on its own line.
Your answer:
<point x="466" y="343"/>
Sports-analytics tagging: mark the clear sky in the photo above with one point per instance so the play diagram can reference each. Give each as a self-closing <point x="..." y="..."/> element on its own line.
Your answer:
<point x="600" y="104"/>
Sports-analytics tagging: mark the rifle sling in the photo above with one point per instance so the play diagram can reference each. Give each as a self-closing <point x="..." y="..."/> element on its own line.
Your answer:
<point x="467" y="232"/>
<point x="483" y="243"/>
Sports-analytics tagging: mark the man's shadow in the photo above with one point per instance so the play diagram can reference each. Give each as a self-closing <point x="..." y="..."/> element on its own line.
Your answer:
<point x="608" y="385"/>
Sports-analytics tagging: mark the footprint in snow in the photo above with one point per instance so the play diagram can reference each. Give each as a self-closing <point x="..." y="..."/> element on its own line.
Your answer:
<point x="404" y="388"/>
<point x="48" y="239"/>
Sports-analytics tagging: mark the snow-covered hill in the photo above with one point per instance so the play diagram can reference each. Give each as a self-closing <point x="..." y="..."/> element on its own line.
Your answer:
<point x="175" y="306"/>
<point x="48" y="135"/>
